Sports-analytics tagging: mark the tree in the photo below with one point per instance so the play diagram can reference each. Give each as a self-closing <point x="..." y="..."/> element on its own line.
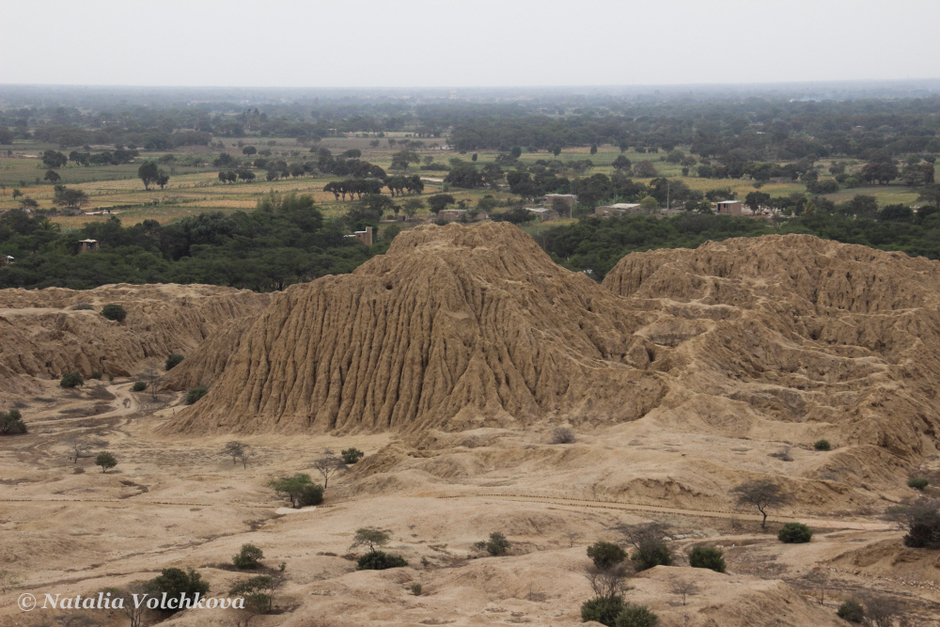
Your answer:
<point x="370" y="537"/>
<point x="258" y="592"/>
<point x="649" y="541"/>
<point x="412" y="206"/>
<point x="402" y="158"/>
<point x="54" y="160"/>
<point x="249" y="150"/>
<point x="621" y="163"/>
<point x="236" y="449"/>
<point x="930" y="194"/>
<point x="683" y="587"/>
<point x="134" y="611"/>
<point x="163" y="178"/>
<point x="178" y="584"/>
<point x="756" y="200"/>
<point x="649" y="204"/>
<point x="644" y="169"/>
<point x="28" y="203"/>
<point x="880" y="611"/>
<point x="148" y="173"/>
<point x="299" y="489"/>
<point x="606" y="555"/>
<point x="11" y="423"/>
<point x="52" y="176"/>
<point x="496" y="545"/>
<point x="114" y="312"/>
<point x="106" y="461"/>
<point x="439" y="202"/>
<point x="921" y="520"/>
<point x="69" y="198"/>
<point x="763" y="494"/>
<point x="882" y="171"/>
<point x="248" y="558"/>
<point x="328" y="464"/>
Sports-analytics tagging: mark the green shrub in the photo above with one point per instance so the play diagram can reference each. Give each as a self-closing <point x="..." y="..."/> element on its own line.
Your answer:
<point x="653" y="554"/>
<point x="248" y="558"/>
<point x="114" y="312"/>
<point x="851" y="611"/>
<point x="496" y="545"/>
<point x="196" y="393"/>
<point x="105" y="460"/>
<point x="256" y="592"/>
<point x="11" y="423"/>
<point x="707" y="557"/>
<point x="606" y="554"/>
<point x="299" y="489"/>
<point x="173" y="360"/>
<point x="380" y="560"/>
<point x="311" y="495"/>
<point x="636" y="616"/>
<point x="351" y="455"/>
<point x="416" y="589"/>
<point x="71" y="379"/>
<point x="917" y="482"/>
<point x="923" y="528"/>
<point x="177" y="583"/>
<point x="822" y="445"/>
<point x="795" y="533"/>
<point x="96" y="374"/>
<point x="139" y="386"/>
<point x="603" y="610"/>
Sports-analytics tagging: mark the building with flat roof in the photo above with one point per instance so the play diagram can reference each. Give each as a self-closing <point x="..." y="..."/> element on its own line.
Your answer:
<point x="617" y="209"/>
<point x="729" y="207"/>
<point x="363" y="236"/>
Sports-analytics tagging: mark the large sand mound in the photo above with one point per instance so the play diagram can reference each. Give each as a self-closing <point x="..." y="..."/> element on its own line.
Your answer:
<point x="455" y="327"/>
<point x="776" y="338"/>
<point x="49" y="332"/>
<point x="828" y="339"/>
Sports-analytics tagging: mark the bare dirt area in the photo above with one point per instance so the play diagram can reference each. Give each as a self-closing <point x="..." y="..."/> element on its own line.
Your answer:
<point x="69" y="528"/>
<point x="455" y="362"/>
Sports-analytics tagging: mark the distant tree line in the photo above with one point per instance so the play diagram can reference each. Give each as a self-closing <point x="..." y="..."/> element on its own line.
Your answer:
<point x="283" y="241"/>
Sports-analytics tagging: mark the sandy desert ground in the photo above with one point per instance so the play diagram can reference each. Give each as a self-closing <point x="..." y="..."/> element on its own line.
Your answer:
<point x="70" y="529"/>
<point x="450" y="362"/>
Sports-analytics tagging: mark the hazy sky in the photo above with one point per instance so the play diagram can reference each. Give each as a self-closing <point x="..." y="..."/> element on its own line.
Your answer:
<point x="418" y="43"/>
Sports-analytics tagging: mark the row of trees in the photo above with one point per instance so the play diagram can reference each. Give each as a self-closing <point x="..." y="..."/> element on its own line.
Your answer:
<point x="284" y="241"/>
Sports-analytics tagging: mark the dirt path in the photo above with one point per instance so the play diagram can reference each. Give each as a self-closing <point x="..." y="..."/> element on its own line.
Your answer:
<point x="819" y="523"/>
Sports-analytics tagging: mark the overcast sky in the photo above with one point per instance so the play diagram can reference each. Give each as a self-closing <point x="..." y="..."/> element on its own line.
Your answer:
<point x="481" y="43"/>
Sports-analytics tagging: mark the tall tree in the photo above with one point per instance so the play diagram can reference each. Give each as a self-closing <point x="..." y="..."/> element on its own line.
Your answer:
<point x="149" y="172"/>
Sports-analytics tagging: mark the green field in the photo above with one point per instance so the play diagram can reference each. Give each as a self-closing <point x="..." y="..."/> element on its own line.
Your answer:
<point x="192" y="190"/>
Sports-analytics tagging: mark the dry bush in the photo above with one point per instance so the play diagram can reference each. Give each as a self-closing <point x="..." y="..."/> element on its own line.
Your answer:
<point x="562" y="435"/>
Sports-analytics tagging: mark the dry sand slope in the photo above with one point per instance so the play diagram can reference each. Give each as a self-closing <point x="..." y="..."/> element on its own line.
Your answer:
<point x="449" y="361"/>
